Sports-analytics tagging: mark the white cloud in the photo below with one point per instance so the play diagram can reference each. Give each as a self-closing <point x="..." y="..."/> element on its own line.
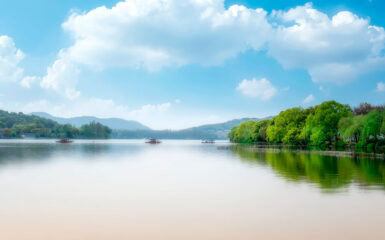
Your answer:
<point x="62" y="77"/>
<point x="150" y="108"/>
<point x="28" y="81"/>
<point x="157" y="33"/>
<point x="254" y="88"/>
<point x="10" y="58"/>
<point x="72" y="93"/>
<point x="309" y="99"/>
<point x="335" y="49"/>
<point x="380" y="87"/>
<point x="153" y="34"/>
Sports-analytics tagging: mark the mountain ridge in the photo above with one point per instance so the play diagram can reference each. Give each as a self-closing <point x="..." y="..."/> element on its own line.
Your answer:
<point x="113" y="123"/>
<point x="132" y="129"/>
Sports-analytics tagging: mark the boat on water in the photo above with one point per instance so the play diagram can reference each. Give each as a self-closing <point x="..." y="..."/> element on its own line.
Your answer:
<point x="208" y="141"/>
<point x="65" y="140"/>
<point x="153" y="141"/>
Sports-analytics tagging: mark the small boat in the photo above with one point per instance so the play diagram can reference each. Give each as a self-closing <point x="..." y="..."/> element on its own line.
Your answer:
<point x="64" y="140"/>
<point x="153" y="141"/>
<point x="208" y="141"/>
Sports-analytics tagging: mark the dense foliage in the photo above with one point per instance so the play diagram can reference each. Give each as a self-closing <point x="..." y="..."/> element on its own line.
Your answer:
<point x="329" y="123"/>
<point x="94" y="130"/>
<point x="17" y="125"/>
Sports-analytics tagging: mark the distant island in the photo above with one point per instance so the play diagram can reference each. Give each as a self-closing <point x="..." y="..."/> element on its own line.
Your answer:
<point x="20" y="125"/>
<point x="325" y="125"/>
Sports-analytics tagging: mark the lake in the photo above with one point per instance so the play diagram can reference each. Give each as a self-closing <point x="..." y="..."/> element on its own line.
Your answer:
<point x="118" y="189"/>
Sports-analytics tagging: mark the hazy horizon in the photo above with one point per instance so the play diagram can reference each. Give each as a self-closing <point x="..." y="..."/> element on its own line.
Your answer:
<point x="80" y="116"/>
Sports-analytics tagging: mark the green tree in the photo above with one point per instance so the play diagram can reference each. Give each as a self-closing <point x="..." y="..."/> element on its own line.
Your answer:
<point x="259" y="130"/>
<point x="287" y="127"/>
<point x="233" y="134"/>
<point x="372" y="125"/>
<point x="350" y="127"/>
<point x="322" y="124"/>
<point x="94" y="130"/>
<point x="382" y="130"/>
<point x="245" y="132"/>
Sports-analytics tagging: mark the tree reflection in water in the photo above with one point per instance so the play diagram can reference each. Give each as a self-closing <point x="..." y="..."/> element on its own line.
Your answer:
<point x="327" y="172"/>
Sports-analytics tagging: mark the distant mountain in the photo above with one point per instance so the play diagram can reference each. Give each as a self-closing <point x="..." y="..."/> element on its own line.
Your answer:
<point x="113" y="123"/>
<point x="222" y="129"/>
<point x="126" y="129"/>
<point x="209" y="131"/>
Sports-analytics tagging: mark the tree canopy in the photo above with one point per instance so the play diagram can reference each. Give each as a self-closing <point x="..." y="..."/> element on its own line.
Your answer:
<point x="325" y="124"/>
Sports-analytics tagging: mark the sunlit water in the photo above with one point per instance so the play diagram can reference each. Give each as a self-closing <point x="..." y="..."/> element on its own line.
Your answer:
<point x="117" y="190"/>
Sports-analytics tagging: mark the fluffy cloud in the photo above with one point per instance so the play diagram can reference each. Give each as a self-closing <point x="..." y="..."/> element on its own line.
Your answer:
<point x="28" y="81"/>
<point x="62" y="77"/>
<point x="10" y="58"/>
<point x="254" y="88"/>
<point x="335" y="49"/>
<point x="380" y="87"/>
<point x="157" y="33"/>
<point x="309" y="99"/>
<point x="153" y="34"/>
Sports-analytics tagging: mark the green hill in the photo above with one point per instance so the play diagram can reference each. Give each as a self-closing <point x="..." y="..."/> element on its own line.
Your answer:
<point x="19" y="125"/>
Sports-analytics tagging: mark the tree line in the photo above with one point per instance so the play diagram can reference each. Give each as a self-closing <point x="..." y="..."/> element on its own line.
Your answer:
<point x="328" y="124"/>
<point x="18" y="125"/>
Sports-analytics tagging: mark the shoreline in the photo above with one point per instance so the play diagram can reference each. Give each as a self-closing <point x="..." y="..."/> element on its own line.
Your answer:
<point x="333" y="153"/>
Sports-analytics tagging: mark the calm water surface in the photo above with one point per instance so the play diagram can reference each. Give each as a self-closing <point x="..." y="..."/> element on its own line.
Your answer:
<point x="107" y="190"/>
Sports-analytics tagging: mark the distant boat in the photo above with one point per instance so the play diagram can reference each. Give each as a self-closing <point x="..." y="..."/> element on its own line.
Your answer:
<point x="153" y="141"/>
<point x="65" y="140"/>
<point x="208" y="141"/>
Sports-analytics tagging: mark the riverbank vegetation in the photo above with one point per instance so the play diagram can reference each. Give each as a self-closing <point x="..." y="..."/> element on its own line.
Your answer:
<point x="18" y="125"/>
<point x="328" y="124"/>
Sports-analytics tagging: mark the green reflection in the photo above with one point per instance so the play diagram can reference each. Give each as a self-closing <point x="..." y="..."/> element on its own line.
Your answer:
<point x="327" y="172"/>
<point x="12" y="153"/>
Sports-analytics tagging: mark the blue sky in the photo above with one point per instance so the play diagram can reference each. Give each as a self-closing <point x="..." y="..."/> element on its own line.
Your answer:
<point x="175" y="64"/>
